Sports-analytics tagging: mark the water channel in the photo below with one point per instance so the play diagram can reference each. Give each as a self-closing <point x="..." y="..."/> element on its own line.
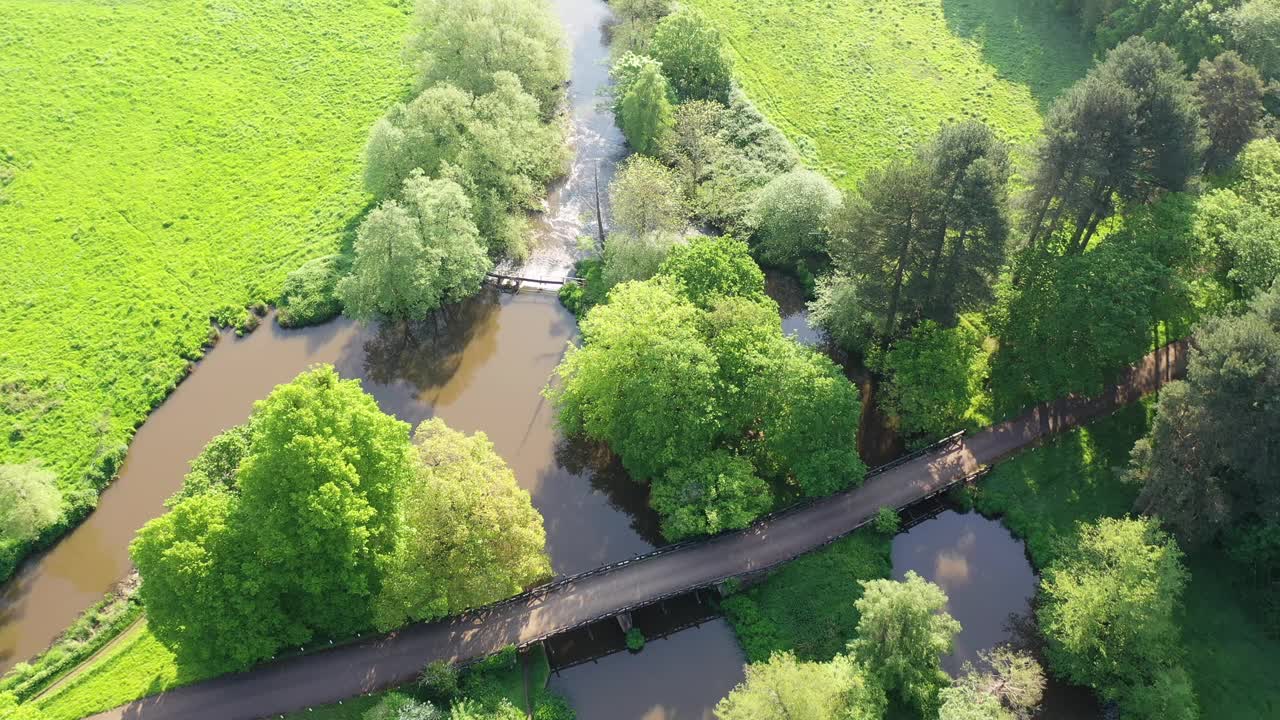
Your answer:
<point x="480" y="367"/>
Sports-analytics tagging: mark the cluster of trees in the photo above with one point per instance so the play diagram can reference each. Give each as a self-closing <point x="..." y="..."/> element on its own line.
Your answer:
<point x="903" y="632"/>
<point x="1210" y="465"/>
<point x="1110" y="610"/>
<point x="320" y="518"/>
<point x="934" y="238"/>
<point x="453" y="171"/>
<point x="689" y="379"/>
<point x="1196" y="29"/>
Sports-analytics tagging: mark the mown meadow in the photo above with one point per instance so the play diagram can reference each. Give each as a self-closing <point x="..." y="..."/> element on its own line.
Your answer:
<point x="856" y="84"/>
<point x="167" y="162"/>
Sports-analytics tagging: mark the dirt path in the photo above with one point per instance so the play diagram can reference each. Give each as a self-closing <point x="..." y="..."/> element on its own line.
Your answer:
<point x="326" y="677"/>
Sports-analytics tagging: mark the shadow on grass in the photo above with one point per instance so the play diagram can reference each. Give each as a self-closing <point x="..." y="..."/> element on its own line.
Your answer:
<point x="1028" y="41"/>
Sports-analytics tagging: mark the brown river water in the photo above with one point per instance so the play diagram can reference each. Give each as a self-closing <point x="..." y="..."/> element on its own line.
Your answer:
<point x="480" y="366"/>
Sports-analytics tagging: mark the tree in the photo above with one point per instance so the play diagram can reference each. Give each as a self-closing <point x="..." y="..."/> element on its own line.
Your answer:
<point x="714" y="492"/>
<point x="840" y="310"/>
<point x="694" y="143"/>
<point x="1254" y="26"/>
<point x="1008" y="687"/>
<point x="215" y="468"/>
<point x="708" y="268"/>
<point x="646" y="110"/>
<point x="469" y="534"/>
<point x="692" y="56"/>
<point x="1208" y="462"/>
<point x="791" y="215"/>
<point x="630" y="257"/>
<point x="466" y="43"/>
<point x="298" y="550"/>
<point x="903" y="631"/>
<point x="1110" y="609"/>
<point x="931" y="378"/>
<point x="29" y="501"/>
<point x="787" y="689"/>
<point x="646" y="198"/>
<point x="1229" y="94"/>
<point x="495" y="146"/>
<point x="1240" y="224"/>
<point x="1072" y="322"/>
<point x="413" y="257"/>
<point x="636" y="20"/>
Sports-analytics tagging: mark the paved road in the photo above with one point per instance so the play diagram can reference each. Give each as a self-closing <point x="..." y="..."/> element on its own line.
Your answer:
<point x="386" y="661"/>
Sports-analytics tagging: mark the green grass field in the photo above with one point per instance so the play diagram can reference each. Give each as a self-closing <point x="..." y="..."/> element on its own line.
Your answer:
<point x="863" y="81"/>
<point x="171" y="159"/>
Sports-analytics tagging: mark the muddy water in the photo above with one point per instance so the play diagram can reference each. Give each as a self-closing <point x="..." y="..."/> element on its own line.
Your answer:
<point x="989" y="583"/>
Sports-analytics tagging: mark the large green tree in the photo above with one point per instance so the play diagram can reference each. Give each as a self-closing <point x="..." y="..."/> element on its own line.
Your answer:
<point x="791" y="214"/>
<point x="708" y="268"/>
<point x="645" y="110"/>
<point x="1240" y="224"/>
<point x="414" y="255"/>
<point x="903" y="632"/>
<point x="646" y="198"/>
<point x="465" y="43"/>
<point x="297" y="549"/>
<point x="788" y="689"/>
<point x="1209" y="461"/>
<point x="29" y="501"/>
<point x="469" y="535"/>
<point x="931" y="378"/>
<point x="691" y="52"/>
<point x="1110" y="612"/>
<point x="1007" y="685"/>
<point x="1254" y="26"/>
<point x="1229" y="93"/>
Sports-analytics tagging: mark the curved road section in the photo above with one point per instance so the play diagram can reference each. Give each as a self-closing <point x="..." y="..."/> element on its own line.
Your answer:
<point x="376" y="664"/>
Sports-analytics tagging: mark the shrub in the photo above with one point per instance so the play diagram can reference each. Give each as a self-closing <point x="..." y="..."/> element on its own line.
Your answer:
<point x="438" y="682"/>
<point x="791" y="215"/>
<point x="932" y="380"/>
<point x="887" y="521"/>
<point x="635" y="640"/>
<point x="553" y="707"/>
<point x="309" y="297"/>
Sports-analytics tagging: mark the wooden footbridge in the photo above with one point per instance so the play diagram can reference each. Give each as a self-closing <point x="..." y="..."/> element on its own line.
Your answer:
<point x="387" y="661"/>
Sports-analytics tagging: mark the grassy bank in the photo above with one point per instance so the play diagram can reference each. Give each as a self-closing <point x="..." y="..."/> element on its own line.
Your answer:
<point x="864" y="81"/>
<point x="1042" y="493"/>
<point x="171" y="161"/>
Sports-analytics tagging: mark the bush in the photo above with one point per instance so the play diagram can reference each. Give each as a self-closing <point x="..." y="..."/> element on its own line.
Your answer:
<point x="635" y="640"/>
<point x="438" y="682"/>
<point x="309" y="297"/>
<point x="791" y="215"/>
<point x="553" y="707"/>
<point x="887" y="522"/>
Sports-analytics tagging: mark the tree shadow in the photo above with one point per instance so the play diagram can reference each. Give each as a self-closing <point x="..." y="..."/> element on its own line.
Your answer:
<point x="1027" y="41"/>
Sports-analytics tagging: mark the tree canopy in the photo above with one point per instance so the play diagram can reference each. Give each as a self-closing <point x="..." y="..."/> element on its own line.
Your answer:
<point x="469" y="534"/>
<point x="29" y="501"/>
<point x="416" y="254"/>
<point x="1008" y="685"/>
<point x="1229" y="93"/>
<point x="1109" y="610"/>
<point x="466" y="43"/>
<point x="791" y="215"/>
<point x="646" y="198"/>
<point x="788" y="689"/>
<point x="690" y="51"/>
<point x="931" y="379"/>
<point x="903" y="632"/>
<point x="645" y="110"/>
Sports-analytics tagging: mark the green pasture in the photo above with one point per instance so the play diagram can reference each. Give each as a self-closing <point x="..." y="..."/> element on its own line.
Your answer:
<point x="862" y="81"/>
<point x="170" y="160"/>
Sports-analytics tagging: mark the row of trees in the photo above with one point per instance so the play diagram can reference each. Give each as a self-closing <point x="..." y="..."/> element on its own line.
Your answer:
<point x="455" y="170"/>
<point x="689" y="379"/>
<point x="903" y="632"/>
<point x="319" y="518"/>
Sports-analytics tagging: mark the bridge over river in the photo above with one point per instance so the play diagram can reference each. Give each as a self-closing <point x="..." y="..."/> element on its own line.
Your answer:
<point x="386" y="661"/>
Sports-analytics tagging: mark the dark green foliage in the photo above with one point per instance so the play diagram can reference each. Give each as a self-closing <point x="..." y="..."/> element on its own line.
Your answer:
<point x="690" y="50"/>
<point x="1195" y="28"/>
<point x="1255" y="550"/>
<point x="309" y="296"/>
<point x="635" y="640"/>
<point x="636" y="21"/>
<point x="1254" y="27"/>
<point x="807" y="606"/>
<point x="298" y="551"/>
<point x="1228" y="475"/>
<point x="1111" y="609"/>
<point x="706" y="495"/>
<point x="1072" y="322"/>
<point x="708" y="268"/>
<point x="1229" y="93"/>
<point x="922" y="238"/>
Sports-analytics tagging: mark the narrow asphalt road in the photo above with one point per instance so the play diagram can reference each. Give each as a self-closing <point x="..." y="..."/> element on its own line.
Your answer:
<point x="383" y="662"/>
